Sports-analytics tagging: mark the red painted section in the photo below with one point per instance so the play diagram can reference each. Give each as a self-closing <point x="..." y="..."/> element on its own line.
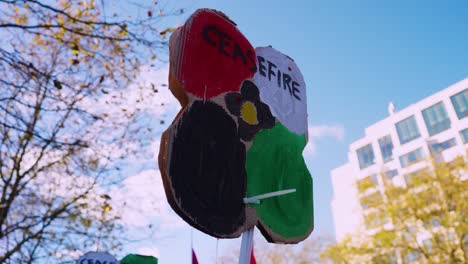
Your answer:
<point x="213" y="55"/>
<point x="252" y="257"/>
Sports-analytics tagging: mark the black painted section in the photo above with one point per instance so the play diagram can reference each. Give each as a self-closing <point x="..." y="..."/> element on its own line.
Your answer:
<point x="207" y="169"/>
<point x="234" y="101"/>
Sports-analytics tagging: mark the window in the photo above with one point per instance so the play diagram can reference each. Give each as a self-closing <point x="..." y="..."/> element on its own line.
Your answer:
<point x="391" y="173"/>
<point x="411" y="157"/>
<point x="412" y="256"/>
<point x="365" y="156"/>
<point x="412" y="230"/>
<point x="428" y="245"/>
<point x="407" y="237"/>
<point x="435" y="222"/>
<point x="367" y="182"/>
<point x="393" y="259"/>
<point x="386" y="258"/>
<point x="436" y="119"/>
<point x="452" y="237"/>
<point x="432" y="223"/>
<point x="439" y="147"/>
<point x="407" y="130"/>
<point x="372" y="200"/>
<point x="375" y="219"/>
<point x="420" y="177"/>
<point x="460" y="103"/>
<point x="386" y="147"/>
<point x="464" y="135"/>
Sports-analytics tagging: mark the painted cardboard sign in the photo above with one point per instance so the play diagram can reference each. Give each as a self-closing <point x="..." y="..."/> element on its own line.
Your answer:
<point x="97" y="258"/>
<point x="219" y="149"/>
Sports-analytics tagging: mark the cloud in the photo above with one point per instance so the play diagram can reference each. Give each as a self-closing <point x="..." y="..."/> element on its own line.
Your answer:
<point x="166" y="104"/>
<point x="142" y="200"/>
<point x="334" y="131"/>
<point x="318" y="132"/>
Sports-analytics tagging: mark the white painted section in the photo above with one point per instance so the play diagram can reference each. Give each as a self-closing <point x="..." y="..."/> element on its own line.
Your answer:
<point x="287" y="99"/>
<point x="345" y="204"/>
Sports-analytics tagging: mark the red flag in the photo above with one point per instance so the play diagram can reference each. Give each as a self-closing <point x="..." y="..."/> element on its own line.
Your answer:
<point x="194" y="257"/>
<point x="252" y="257"/>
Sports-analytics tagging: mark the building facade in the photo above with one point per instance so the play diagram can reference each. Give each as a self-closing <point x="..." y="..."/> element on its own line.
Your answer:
<point x="396" y="147"/>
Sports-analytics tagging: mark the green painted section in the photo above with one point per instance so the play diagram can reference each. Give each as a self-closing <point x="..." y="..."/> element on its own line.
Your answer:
<point x="138" y="259"/>
<point x="275" y="162"/>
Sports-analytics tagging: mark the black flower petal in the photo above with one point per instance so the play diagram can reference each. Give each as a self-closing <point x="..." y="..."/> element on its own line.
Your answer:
<point x="207" y="169"/>
<point x="250" y="91"/>
<point x="234" y="103"/>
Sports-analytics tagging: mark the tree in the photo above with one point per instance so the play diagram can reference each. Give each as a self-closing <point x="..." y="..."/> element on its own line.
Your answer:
<point x="423" y="220"/>
<point x="68" y="114"/>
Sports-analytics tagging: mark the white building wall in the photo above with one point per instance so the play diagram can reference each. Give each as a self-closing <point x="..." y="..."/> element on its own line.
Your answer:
<point x="347" y="212"/>
<point x="346" y="209"/>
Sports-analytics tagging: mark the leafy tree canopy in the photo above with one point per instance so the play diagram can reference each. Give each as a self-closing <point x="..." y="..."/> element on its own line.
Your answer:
<point x="69" y="110"/>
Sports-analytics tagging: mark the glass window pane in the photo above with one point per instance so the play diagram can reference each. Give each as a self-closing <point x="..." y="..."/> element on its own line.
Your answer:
<point x="375" y="219"/>
<point x="439" y="147"/>
<point x="411" y="157"/>
<point x="391" y="173"/>
<point x="417" y="178"/>
<point x="365" y="156"/>
<point x="372" y="200"/>
<point x="407" y="130"/>
<point x="460" y="103"/>
<point x="367" y="182"/>
<point x="435" y="222"/>
<point x="386" y="147"/>
<point x="412" y="256"/>
<point x="436" y="119"/>
<point x="464" y="135"/>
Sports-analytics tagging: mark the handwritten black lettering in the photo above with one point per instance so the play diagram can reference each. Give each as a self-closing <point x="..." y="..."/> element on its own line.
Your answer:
<point x="283" y="80"/>
<point x="287" y="82"/>
<point x="237" y="52"/>
<point x="229" y="47"/>
<point x="261" y="66"/>
<point x="294" y="87"/>
<point x="224" y="41"/>
<point x="271" y="65"/>
<point x="251" y="57"/>
<point x="206" y="34"/>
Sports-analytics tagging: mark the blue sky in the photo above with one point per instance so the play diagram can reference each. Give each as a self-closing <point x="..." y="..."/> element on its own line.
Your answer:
<point x="356" y="57"/>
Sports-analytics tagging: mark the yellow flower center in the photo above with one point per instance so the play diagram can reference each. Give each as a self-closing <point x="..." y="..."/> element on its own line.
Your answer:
<point x="249" y="113"/>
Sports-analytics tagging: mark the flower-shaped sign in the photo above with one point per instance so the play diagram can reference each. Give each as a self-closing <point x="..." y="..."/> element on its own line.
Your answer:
<point x="215" y="154"/>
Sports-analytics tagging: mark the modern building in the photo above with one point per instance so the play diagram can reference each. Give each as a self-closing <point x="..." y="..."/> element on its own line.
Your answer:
<point x="396" y="147"/>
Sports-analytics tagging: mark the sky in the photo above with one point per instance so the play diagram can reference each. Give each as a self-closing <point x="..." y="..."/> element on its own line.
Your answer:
<point x="356" y="57"/>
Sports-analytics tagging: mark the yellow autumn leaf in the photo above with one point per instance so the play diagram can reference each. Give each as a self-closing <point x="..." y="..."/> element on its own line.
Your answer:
<point x="86" y="222"/>
<point x="107" y="207"/>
